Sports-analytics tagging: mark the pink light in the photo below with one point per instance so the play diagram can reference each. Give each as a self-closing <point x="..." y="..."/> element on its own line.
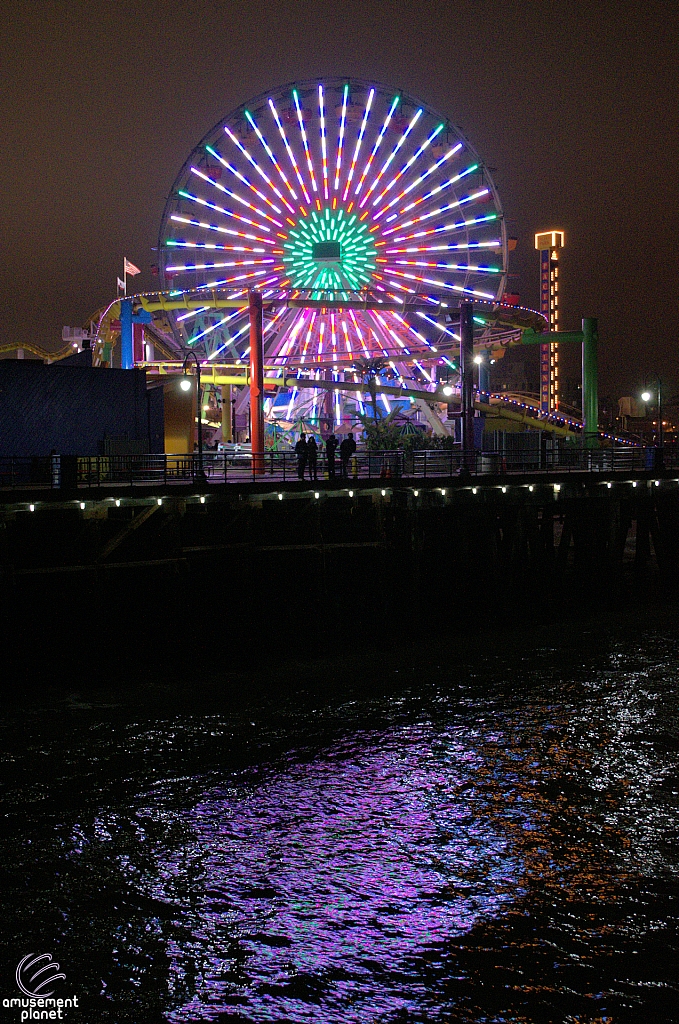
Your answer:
<point x="359" y="140"/>
<point x="394" y="151"/>
<point x="377" y="145"/>
<point x="271" y="156"/>
<point x="259" y="170"/>
<point x="289" y="151"/>
<point x="305" y="141"/>
<point x="408" y="164"/>
<point x="435" y="213"/>
<point x="324" y="153"/>
<point x="418" y="181"/>
<point x="340" y="140"/>
<point x="240" y="199"/>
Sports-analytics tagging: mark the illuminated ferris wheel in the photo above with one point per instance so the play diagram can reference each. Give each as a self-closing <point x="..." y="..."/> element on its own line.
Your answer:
<point x="329" y="190"/>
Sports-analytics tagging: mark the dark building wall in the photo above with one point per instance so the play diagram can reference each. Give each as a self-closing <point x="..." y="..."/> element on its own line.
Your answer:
<point x="72" y="408"/>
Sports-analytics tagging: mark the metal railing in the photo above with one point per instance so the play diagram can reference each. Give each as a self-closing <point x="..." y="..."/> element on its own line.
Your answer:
<point x="71" y="472"/>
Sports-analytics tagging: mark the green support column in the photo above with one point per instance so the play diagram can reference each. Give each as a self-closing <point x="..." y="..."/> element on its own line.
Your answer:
<point x="590" y="382"/>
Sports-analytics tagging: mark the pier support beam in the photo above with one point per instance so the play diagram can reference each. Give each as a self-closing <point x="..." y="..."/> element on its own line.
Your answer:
<point x="590" y="382"/>
<point x="256" y="381"/>
<point x="467" y="381"/>
<point x="227" y="414"/>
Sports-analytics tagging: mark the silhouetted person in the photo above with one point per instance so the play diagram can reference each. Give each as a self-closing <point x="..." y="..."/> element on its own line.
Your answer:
<point x="331" y="446"/>
<point x="300" y="452"/>
<point x="312" y="458"/>
<point x="347" y="449"/>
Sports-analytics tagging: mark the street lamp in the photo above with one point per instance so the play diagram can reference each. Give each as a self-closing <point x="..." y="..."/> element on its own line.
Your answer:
<point x="185" y="385"/>
<point x="646" y="396"/>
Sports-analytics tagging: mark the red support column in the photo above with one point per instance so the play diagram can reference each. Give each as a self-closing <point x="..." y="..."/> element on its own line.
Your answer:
<point x="256" y="381"/>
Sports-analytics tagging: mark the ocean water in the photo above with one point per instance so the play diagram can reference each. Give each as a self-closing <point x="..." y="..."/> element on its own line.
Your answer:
<point x="480" y="832"/>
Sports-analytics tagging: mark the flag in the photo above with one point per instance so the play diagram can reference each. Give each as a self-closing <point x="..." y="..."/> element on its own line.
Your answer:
<point x="121" y="284"/>
<point x="130" y="268"/>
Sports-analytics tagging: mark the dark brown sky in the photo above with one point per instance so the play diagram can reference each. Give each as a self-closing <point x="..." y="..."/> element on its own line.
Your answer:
<point x="575" y="105"/>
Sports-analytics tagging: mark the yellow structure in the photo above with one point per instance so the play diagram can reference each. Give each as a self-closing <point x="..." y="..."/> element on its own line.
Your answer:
<point x="549" y="244"/>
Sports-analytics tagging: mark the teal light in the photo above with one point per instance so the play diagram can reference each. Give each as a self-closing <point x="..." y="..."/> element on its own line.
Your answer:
<point x="346" y="264"/>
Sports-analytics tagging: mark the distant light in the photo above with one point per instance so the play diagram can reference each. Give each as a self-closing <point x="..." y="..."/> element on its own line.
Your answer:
<point x="416" y="493"/>
<point x="448" y="390"/>
<point x="160" y="501"/>
<point x="384" y="494"/>
<point x="351" y="494"/>
<point x="474" y="489"/>
<point x="316" y="494"/>
<point x="478" y="360"/>
<point x="557" y="487"/>
<point x="645" y="396"/>
<point x="634" y="483"/>
<point x="185" y="384"/>
<point x="609" y="484"/>
<point x="280" y="496"/>
<point x="82" y="506"/>
<point x="117" y="502"/>
<point x="504" y="490"/>
<point x="657" y="483"/>
<point x="443" y="491"/>
<point x="530" y="487"/>
<point x="31" y="508"/>
<point x="202" y="499"/>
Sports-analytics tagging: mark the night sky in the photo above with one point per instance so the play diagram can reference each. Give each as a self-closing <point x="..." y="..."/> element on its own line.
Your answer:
<point x="573" y="105"/>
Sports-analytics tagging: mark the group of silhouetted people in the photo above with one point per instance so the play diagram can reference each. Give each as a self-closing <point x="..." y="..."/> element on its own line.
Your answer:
<point x="306" y="451"/>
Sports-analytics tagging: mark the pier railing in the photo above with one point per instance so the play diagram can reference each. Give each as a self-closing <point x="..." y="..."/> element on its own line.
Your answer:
<point x="72" y="472"/>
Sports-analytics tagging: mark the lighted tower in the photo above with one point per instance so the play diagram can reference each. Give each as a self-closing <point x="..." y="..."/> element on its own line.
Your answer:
<point x="549" y="244"/>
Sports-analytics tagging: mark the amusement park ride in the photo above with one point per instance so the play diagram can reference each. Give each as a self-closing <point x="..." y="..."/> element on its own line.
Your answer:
<point x="333" y="251"/>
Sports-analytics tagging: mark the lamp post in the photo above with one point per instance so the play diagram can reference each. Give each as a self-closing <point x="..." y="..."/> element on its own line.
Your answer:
<point x="185" y="385"/>
<point x="646" y="397"/>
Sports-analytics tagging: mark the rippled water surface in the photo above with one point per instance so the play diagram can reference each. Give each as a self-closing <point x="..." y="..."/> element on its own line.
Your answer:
<point x="453" y="837"/>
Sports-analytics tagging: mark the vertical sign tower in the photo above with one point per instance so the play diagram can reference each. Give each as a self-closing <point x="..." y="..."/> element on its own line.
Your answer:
<point x="549" y="245"/>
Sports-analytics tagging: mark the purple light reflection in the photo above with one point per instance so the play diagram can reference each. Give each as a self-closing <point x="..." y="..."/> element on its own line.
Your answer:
<point x="311" y="887"/>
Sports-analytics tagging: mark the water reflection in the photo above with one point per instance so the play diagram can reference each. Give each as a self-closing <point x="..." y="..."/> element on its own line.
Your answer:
<point x="504" y="851"/>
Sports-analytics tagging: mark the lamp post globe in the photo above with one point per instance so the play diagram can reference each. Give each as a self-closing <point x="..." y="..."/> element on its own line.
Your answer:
<point x="185" y="385"/>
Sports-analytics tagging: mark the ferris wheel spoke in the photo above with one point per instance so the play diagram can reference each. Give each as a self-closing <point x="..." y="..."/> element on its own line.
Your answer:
<point x="213" y="327"/>
<point x="262" y="173"/>
<point x="245" y="181"/>
<point x="340" y="137"/>
<point x="305" y="141"/>
<point x="378" y="143"/>
<point x="189" y="267"/>
<point x="387" y="164"/>
<point x="272" y="158"/>
<point x="237" y="197"/>
<point x="324" y="143"/>
<point x="204" y="226"/>
<point x="461" y="289"/>
<point x="418" y="181"/>
<point x="359" y="140"/>
<point x="439" y="188"/>
<point x="478" y="196"/>
<point x="291" y="155"/>
<point x="494" y="243"/>
<point x="220" y="209"/>
<point x="408" y="164"/>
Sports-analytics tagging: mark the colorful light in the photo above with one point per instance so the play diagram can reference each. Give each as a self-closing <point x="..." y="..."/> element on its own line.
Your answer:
<point x="333" y="215"/>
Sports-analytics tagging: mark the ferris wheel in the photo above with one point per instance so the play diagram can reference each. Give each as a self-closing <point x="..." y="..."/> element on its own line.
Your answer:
<point x="328" y="190"/>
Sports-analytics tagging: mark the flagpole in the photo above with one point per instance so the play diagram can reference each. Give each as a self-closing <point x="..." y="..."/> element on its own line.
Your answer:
<point x="125" y="276"/>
